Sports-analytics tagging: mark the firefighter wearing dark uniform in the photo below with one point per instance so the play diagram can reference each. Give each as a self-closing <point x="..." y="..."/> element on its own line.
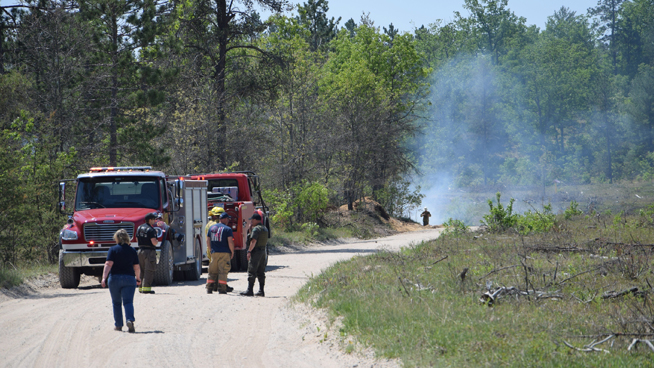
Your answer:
<point x="257" y="257"/>
<point x="221" y="238"/>
<point x="147" y="238"/>
<point x="425" y="217"/>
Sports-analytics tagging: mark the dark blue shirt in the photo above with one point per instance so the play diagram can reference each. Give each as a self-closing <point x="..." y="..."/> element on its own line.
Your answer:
<point x="124" y="258"/>
<point x="218" y="235"/>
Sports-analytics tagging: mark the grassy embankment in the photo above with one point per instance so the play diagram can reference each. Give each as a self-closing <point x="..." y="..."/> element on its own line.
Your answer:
<point x="420" y="306"/>
<point x="14" y="276"/>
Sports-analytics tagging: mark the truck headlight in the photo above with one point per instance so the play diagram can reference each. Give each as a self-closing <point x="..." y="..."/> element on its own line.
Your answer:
<point x="68" y="235"/>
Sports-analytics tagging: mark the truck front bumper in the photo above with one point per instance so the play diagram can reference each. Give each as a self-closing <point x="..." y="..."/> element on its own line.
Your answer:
<point x="89" y="258"/>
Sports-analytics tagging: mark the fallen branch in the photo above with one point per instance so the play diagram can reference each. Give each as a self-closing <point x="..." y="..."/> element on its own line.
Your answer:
<point x="593" y="344"/>
<point x="579" y="274"/>
<point x="557" y="249"/>
<point x="548" y="296"/>
<point x="613" y="294"/>
<point x="613" y="334"/>
<point x="630" y="245"/>
<point x="490" y="297"/>
<point x="586" y="350"/>
<point x="439" y="260"/>
<point x="498" y="270"/>
<point x="584" y="301"/>
<point x="405" y="290"/>
<point x="636" y="341"/>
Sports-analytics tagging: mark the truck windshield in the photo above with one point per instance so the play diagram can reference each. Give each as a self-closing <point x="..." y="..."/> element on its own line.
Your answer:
<point x="117" y="192"/>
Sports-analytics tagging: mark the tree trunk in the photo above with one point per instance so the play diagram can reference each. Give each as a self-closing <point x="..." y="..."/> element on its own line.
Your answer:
<point x="223" y="40"/>
<point x="113" y="141"/>
<point x="2" y="49"/>
<point x="607" y="131"/>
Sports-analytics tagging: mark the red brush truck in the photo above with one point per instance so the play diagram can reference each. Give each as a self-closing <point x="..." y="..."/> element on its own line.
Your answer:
<point x="111" y="198"/>
<point x="239" y="193"/>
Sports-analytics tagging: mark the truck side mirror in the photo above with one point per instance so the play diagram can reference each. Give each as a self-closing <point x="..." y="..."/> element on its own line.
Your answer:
<point x="62" y="197"/>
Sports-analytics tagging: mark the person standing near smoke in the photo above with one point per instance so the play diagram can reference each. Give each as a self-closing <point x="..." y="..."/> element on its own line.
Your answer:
<point x="425" y="217"/>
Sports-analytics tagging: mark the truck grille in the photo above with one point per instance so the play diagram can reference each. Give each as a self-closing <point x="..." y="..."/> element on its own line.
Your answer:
<point x="105" y="232"/>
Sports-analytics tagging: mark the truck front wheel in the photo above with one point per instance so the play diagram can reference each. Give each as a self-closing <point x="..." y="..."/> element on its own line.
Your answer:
<point x="163" y="274"/>
<point x="68" y="276"/>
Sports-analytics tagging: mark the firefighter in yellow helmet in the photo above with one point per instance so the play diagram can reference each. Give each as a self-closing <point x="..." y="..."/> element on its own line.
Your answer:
<point x="214" y="213"/>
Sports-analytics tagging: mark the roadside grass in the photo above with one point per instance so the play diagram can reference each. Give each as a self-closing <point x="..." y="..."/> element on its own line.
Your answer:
<point x="561" y="286"/>
<point x="10" y="277"/>
<point x="280" y="238"/>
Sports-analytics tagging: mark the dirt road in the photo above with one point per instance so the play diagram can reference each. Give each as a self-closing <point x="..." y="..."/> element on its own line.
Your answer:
<point x="182" y="326"/>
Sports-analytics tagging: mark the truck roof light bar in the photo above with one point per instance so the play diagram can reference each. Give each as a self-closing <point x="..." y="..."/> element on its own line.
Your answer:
<point x="121" y="168"/>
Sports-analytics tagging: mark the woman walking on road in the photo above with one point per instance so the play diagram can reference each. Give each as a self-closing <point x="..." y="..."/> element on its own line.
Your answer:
<point x="122" y="268"/>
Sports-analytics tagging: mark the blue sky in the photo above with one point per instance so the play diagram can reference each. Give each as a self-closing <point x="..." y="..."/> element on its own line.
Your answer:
<point x="408" y="14"/>
<point x="414" y="13"/>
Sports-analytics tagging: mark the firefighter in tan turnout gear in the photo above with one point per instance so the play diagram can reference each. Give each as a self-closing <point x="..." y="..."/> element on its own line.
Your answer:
<point x="221" y="238"/>
<point x="147" y="240"/>
<point x="214" y="213"/>
<point x="257" y="256"/>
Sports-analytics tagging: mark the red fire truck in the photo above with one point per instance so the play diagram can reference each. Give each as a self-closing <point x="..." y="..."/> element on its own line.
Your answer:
<point x="111" y="198"/>
<point x="239" y="193"/>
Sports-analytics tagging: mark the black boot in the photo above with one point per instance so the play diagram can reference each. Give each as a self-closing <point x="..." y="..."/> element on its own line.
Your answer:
<point x="249" y="291"/>
<point x="229" y="289"/>
<point x="262" y="282"/>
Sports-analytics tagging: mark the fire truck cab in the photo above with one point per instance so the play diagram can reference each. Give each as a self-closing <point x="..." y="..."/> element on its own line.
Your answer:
<point x="110" y="198"/>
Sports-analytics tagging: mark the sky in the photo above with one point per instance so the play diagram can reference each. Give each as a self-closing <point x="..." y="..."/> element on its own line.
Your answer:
<point x="414" y="13"/>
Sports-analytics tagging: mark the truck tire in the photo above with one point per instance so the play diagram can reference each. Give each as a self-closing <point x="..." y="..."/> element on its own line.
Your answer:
<point x="163" y="275"/>
<point x="68" y="276"/>
<point x="195" y="273"/>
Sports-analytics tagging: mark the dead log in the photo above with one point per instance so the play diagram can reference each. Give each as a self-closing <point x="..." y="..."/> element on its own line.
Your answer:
<point x="613" y="294"/>
<point x="491" y="296"/>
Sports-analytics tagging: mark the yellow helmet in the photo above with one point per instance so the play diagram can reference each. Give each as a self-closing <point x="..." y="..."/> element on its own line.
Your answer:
<point x="216" y="211"/>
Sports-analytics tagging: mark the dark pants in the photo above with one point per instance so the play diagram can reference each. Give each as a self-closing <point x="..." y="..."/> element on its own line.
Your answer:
<point x="257" y="265"/>
<point x="147" y="262"/>
<point x="121" y="288"/>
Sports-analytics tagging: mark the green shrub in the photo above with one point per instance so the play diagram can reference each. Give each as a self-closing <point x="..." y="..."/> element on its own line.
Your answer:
<point x="454" y="227"/>
<point x="398" y="199"/>
<point x="572" y="210"/>
<point x="282" y="208"/>
<point x="311" y="201"/>
<point x="647" y="215"/>
<point x="500" y="219"/>
<point x="310" y="229"/>
<point x="536" y="222"/>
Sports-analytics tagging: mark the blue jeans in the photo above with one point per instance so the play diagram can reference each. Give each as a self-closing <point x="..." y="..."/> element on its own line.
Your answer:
<point x="121" y="288"/>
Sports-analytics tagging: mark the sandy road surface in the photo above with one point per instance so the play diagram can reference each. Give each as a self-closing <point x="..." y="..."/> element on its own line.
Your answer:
<point x="182" y="326"/>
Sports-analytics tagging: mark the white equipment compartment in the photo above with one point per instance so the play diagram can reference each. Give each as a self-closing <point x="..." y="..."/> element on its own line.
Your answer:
<point x="195" y="212"/>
